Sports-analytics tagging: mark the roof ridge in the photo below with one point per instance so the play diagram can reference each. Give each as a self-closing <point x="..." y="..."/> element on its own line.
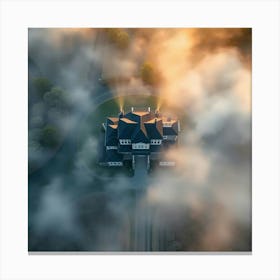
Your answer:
<point x="127" y="120"/>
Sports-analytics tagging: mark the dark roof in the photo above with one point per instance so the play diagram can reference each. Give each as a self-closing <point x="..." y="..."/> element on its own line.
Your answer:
<point x="113" y="156"/>
<point x="145" y="116"/>
<point x="109" y="155"/>
<point x="112" y="120"/>
<point x="140" y="152"/>
<point x="169" y="144"/>
<point x="126" y="128"/>
<point x="138" y="116"/>
<point x="154" y="128"/>
<point x="126" y="120"/>
<point x="148" y="127"/>
<point x="141" y="113"/>
<point x="124" y="148"/>
<point x="172" y="130"/>
<point x="139" y="126"/>
<point x="111" y="135"/>
<point x="133" y="117"/>
<point x="140" y="135"/>
<point x="155" y="148"/>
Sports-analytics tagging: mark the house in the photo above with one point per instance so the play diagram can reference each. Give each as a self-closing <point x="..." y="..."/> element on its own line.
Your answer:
<point x="138" y="133"/>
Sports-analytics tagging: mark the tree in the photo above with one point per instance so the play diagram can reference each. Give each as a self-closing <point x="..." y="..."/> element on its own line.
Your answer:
<point x="118" y="37"/>
<point x="49" y="137"/>
<point x="42" y="85"/>
<point x="55" y="98"/>
<point x="148" y="74"/>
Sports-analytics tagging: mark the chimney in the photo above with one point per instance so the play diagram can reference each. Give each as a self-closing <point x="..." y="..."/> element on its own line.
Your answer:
<point x="121" y="114"/>
<point x="157" y="113"/>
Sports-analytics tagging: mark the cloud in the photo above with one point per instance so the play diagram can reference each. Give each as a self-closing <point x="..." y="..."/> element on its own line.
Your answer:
<point x="204" y="203"/>
<point x="56" y="211"/>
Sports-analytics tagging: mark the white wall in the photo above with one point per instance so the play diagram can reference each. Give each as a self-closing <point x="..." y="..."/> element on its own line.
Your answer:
<point x="141" y="146"/>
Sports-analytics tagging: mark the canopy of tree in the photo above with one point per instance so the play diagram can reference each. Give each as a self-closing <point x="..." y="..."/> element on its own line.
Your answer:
<point x="55" y="97"/>
<point x="49" y="137"/>
<point x="148" y="74"/>
<point x="42" y="85"/>
<point x="118" y="37"/>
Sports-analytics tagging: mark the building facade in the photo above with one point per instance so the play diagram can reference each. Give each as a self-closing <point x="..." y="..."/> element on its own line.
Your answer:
<point x="138" y="133"/>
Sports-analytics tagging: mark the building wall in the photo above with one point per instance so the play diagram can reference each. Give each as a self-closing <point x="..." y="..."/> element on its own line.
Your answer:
<point x="111" y="147"/>
<point x="170" y="137"/>
<point x="115" y="163"/>
<point x="156" y="141"/>
<point x="166" y="163"/>
<point x="140" y="146"/>
<point x="125" y="141"/>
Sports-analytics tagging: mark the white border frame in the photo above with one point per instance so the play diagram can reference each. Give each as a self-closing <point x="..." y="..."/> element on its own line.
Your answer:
<point x="17" y="16"/>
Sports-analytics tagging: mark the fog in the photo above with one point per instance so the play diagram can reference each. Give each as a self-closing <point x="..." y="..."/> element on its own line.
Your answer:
<point x="203" y="204"/>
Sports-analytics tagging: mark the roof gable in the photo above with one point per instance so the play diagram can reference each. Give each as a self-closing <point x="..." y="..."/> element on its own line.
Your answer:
<point x="125" y="128"/>
<point x="114" y="126"/>
<point x="112" y="120"/>
<point x="139" y="116"/>
<point x="126" y="120"/>
<point x="154" y="129"/>
<point x="133" y="117"/>
<point x="171" y="130"/>
<point x="139" y="135"/>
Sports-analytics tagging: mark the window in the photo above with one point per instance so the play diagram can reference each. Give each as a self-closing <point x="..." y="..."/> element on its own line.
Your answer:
<point x="155" y="142"/>
<point x="125" y="141"/>
<point x="140" y="146"/>
<point x="112" y="147"/>
<point x="167" y="124"/>
<point x="115" y="163"/>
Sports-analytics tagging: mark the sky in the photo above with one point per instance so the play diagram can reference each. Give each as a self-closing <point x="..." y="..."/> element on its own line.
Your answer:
<point x="201" y="75"/>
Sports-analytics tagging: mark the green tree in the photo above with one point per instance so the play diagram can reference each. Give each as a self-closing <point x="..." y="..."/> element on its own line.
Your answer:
<point x="148" y="74"/>
<point x="56" y="97"/>
<point x="118" y="37"/>
<point x="49" y="137"/>
<point x="42" y="85"/>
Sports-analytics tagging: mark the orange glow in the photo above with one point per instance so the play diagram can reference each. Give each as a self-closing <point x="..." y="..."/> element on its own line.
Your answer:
<point x="120" y="101"/>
